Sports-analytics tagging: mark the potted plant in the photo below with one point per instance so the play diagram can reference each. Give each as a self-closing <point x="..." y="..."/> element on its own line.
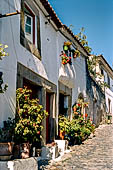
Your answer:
<point x="29" y="116"/>
<point x="6" y="139"/>
<point x="63" y="123"/>
<point x="80" y="127"/>
<point x="65" y="58"/>
<point x="76" y="53"/>
<point x="67" y="43"/>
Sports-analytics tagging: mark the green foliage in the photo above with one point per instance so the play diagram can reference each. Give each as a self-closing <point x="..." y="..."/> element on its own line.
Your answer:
<point x="92" y="63"/>
<point x="2" y="54"/>
<point x="83" y="40"/>
<point x="2" y="51"/>
<point x="76" y="53"/>
<point x="80" y="127"/>
<point x="29" y="116"/>
<point x="92" y="60"/>
<point x="77" y="129"/>
<point x="63" y="123"/>
<point x="65" y="58"/>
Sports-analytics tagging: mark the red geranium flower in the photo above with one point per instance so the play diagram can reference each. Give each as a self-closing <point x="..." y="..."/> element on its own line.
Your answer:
<point x="38" y="132"/>
<point x="86" y="115"/>
<point x="25" y="97"/>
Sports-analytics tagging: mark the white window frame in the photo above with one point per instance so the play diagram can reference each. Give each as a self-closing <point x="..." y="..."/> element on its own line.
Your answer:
<point x="27" y="35"/>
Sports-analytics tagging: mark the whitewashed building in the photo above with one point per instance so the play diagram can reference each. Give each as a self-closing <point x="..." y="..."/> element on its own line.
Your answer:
<point x="35" y="40"/>
<point x="106" y="72"/>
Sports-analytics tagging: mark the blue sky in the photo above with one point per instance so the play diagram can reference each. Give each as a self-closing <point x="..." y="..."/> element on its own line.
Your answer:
<point x="96" y="16"/>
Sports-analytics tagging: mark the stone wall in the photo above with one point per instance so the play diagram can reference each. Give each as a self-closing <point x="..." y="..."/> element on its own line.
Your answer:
<point x="96" y="99"/>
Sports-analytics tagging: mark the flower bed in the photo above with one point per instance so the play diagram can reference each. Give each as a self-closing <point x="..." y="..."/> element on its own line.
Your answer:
<point x="79" y="128"/>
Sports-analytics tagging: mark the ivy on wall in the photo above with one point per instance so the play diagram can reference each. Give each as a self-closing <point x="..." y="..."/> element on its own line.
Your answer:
<point x="92" y="60"/>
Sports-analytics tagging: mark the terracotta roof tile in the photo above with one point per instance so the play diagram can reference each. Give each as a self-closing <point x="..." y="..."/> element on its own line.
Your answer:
<point x="51" y="13"/>
<point x="57" y="21"/>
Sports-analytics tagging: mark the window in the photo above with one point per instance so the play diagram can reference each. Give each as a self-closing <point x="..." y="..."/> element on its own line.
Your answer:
<point x="102" y="71"/>
<point x="36" y="90"/>
<point x="29" y="24"/>
<point x="30" y="29"/>
<point x="108" y="80"/>
<point x="109" y="105"/>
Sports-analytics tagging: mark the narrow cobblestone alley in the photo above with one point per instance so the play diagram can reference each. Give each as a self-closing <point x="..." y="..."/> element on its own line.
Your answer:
<point x="94" y="154"/>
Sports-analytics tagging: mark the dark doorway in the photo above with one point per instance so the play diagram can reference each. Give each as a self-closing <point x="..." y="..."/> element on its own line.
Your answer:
<point x="36" y="90"/>
<point x="63" y="104"/>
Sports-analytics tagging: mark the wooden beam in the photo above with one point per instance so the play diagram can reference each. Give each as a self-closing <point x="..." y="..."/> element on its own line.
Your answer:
<point x="9" y="14"/>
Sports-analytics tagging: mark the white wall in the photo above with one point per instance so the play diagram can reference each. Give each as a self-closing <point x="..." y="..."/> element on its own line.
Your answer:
<point x="108" y="91"/>
<point x="80" y="77"/>
<point x="66" y="73"/>
<point x="73" y="76"/>
<point x="109" y="95"/>
<point x="10" y="35"/>
<point x="49" y="67"/>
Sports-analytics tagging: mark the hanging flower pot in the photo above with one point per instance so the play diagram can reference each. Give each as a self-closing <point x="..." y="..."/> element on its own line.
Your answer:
<point x="65" y="47"/>
<point x="76" y="54"/>
<point x="67" y="43"/>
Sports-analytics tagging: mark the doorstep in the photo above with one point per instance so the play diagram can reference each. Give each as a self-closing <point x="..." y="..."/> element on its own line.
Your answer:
<point x="24" y="164"/>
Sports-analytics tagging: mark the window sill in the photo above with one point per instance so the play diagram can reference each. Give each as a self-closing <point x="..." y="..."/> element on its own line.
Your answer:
<point x="30" y="47"/>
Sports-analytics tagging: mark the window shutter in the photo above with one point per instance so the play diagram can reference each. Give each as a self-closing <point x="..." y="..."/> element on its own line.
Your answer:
<point x="38" y="34"/>
<point x="22" y="34"/>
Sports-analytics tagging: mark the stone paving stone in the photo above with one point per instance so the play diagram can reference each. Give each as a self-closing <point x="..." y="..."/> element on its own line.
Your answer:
<point x="94" y="154"/>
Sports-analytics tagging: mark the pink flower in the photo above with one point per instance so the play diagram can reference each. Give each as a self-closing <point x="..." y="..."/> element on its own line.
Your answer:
<point x="34" y="124"/>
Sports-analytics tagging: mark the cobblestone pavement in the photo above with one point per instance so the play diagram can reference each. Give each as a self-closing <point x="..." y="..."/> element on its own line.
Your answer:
<point x="94" y="154"/>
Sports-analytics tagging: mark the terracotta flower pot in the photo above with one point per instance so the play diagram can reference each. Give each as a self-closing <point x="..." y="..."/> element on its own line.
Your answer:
<point x="6" y="151"/>
<point x="61" y="134"/>
<point x="25" y="150"/>
<point x="65" y="47"/>
<point x="75" y="55"/>
<point x="6" y="148"/>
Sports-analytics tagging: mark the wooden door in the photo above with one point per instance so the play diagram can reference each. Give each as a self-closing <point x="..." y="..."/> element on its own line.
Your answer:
<point x="48" y="118"/>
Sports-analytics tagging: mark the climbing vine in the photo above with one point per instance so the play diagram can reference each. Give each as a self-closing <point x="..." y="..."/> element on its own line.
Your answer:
<point x="92" y="60"/>
<point x="83" y="40"/>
